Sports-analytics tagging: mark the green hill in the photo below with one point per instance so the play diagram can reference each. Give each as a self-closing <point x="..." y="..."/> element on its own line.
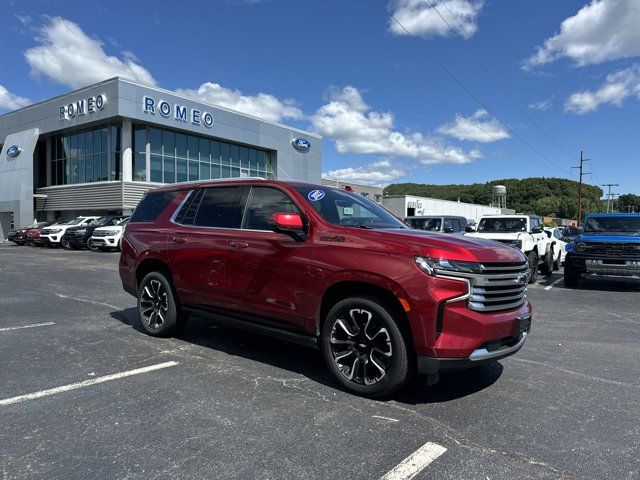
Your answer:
<point x="552" y="197"/>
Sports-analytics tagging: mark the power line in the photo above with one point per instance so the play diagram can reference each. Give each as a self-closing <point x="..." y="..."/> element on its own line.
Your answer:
<point x="469" y="92"/>
<point x="492" y="77"/>
<point x="435" y="95"/>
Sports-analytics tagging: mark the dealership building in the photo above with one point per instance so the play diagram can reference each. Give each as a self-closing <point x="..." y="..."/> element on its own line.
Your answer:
<point x="96" y="150"/>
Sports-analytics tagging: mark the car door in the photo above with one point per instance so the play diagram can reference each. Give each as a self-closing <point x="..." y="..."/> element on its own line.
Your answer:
<point x="198" y="244"/>
<point x="268" y="271"/>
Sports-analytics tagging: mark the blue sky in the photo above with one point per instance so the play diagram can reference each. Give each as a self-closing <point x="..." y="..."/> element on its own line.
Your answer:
<point x="509" y="89"/>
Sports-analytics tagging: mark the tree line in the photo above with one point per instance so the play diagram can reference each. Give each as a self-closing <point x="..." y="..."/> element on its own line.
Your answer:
<point x="549" y="197"/>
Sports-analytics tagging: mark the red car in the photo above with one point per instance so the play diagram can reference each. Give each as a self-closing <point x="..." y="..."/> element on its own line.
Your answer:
<point x="328" y="268"/>
<point x="33" y="233"/>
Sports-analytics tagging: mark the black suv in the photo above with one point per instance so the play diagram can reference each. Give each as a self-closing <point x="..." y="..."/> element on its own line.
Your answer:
<point x="78" y="237"/>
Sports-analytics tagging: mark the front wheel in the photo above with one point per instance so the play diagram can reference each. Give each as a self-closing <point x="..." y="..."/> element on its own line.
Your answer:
<point x="158" y="310"/>
<point x="92" y="246"/>
<point x="532" y="260"/>
<point x="571" y="276"/>
<point x="65" y="243"/>
<point x="364" y="348"/>
<point x="547" y="263"/>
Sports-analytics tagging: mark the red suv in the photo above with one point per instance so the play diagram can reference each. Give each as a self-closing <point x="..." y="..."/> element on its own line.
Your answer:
<point x="328" y="268"/>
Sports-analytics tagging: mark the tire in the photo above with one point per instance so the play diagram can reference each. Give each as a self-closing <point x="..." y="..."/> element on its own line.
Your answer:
<point x="547" y="263"/>
<point x="571" y="276"/>
<point x="65" y="244"/>
<point x="556" y="263"/>
<point x="532" y="260"/>
<point x="363" y="329"/>
<point x="158" y="310"/>
<point x="91" y="246"/>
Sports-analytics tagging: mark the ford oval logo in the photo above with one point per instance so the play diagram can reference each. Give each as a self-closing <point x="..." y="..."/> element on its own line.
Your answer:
<point x="301" y="144"/>
<point x="13" y="151"/>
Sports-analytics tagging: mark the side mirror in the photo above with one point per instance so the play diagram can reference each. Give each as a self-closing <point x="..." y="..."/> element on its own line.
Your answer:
<point x="288" y="223"/>
<point x="469" y="229"/>
<point x="536" y="230"/>
<point x="448" y="229"/>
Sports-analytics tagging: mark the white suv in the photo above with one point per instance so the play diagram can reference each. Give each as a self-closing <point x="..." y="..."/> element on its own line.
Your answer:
<point x="108" y="237"/>
<point x="52" y="235"/>
<point x="524" y="232"/>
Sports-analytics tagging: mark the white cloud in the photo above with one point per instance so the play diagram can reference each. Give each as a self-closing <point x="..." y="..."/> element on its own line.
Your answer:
<point x="419" y="17"/>
<point x="617" y="87"/>
<point x="380" y="173"/>
<point x="262" y="105"/>
<point x="10" y="101"/>
<point x="356" y="128"/>
<point x="479" y="127"/>
<point x="603" y="30"/>
<point x="542" y="105"/>
<point x="68" y="56"/>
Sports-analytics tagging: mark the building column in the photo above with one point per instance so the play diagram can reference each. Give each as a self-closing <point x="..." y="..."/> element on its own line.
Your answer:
<point x="127" y="150"/>
<point x="48" y="162"/>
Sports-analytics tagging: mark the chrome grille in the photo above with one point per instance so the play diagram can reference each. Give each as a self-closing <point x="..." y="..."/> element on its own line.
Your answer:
<point x="500" y="286"/>
<point x="103" y="233"/>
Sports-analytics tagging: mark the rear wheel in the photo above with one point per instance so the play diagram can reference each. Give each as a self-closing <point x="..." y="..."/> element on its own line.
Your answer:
<point x="364" y="348"/>
<point x="556" y="262"/>
<point x="547" y="262"/>
<point x="532" y="260"/>
<point x="158" y="310"/>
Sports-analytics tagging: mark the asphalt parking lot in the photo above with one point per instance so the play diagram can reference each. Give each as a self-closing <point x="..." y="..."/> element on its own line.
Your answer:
<point x="84" y="394"/>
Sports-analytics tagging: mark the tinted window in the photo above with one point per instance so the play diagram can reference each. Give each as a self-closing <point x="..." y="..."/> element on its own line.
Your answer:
<point x="187" y="213"/>
<point x="620" y="223"/>
<point x="262" y="202"/>
<point x="220" y="207"/>
<point x="455" y="224"/>
<point x="503" y="225"/>
<point x="431" y="224"/>
<point x="152" y="205"/>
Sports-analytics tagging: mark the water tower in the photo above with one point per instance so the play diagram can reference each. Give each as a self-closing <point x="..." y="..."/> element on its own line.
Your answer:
<point x="500" y="196"/>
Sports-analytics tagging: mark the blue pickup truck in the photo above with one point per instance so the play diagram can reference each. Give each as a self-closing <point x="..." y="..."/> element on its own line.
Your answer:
<point x="608" y="245"/>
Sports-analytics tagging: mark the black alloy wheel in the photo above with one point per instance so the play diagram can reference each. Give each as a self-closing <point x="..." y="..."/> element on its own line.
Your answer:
<point x="65" y="243"/>
<point x="157" y="308"/>
<point x="364" y="348"/>
<point x="92" y="246"/>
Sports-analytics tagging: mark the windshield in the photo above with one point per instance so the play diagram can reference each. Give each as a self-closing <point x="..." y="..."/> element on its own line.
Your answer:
<point x="123" y="222"/>
<point x="99" y="222"/>
<point x="348" y="209"/>
<point x="502" y="225"/>
<point x="431" y="224"/>
<point x="75" y="221"/>
<point x="612" y="224"/>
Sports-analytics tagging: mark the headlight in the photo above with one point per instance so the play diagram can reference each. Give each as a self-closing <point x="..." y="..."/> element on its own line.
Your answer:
<point x="55" y="230"/>
<point x="434" y="266"/>
<point x="580" y="246"/>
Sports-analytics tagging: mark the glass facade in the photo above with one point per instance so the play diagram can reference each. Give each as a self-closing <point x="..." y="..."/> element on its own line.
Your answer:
<point x="178" y="157"/>
<point x="87" y="155"/>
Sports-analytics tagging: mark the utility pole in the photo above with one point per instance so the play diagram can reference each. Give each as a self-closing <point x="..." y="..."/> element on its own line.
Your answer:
<point x="609" y="193"/>
<point x="582" y="174"/>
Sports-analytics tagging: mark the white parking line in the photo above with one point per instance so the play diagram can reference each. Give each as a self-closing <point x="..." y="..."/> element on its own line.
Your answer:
<point x="552" y="284"/>
<point x="33" y="325"/>
<point x="86" y="383"/>
<point x="416" y="462"/>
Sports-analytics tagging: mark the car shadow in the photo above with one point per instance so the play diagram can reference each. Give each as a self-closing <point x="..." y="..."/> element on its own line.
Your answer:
<point x="309" y="362"/>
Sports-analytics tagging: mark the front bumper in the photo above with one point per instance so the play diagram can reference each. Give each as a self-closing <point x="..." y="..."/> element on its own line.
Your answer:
<point x="75" y="240"/>
<point x="110" y="242"/>
<point x="606" y="266"/>
<point x="433" y="366"/>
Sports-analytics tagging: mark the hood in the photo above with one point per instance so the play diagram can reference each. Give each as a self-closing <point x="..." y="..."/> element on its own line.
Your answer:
<point x="111" y="227"/>
<point x="610" y="237"/>
<point x="495" y="235"/>
<point x="456" y="247"/>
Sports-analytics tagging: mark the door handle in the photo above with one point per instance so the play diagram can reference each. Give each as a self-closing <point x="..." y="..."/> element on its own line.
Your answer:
<point x="178" y="239"/>
<point x="238" y="245"/>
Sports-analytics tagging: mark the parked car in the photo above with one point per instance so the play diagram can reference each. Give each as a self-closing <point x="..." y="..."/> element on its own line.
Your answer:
<point x="20" y="236"/>
<point x="51" y="236"/>
<point x="437" y="223"/>
<point x="569" y="234"/>
<point x="327" y="268"/>
<point x="608" y="245"/>
<point x="33" y="235"/>
<point x="560" y="246"/>
<point x="78" y="236"/>
<point x="524" y="232"/>
<point x="105" y="238"/>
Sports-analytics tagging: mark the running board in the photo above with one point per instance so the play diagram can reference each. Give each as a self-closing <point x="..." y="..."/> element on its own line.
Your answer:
<point x="272" y="329"/>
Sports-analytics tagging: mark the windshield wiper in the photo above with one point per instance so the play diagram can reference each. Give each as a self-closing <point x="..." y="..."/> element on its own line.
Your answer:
<point x="362" y="225"/>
